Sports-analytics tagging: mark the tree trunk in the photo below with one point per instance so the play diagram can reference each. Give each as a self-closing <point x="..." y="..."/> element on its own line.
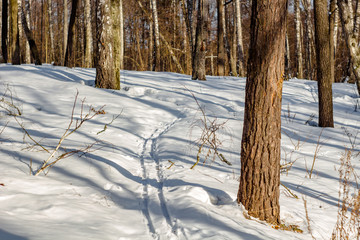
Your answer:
<point x="51" y="30"/>
<point x="31" y="41"/>
<point x="69" y="56"/>
<point x="14" y="40"/>
<point x="116" y="39"/>
<point x="88" y="35"/>
<point x="221" y="55"/>
<point x="105" y="67"/>
<point x="122" y="37"/>
<point x="309" y="36"/>
<point x="4" y="30"/>
<point x="347" y="21"/>
<point x="66" y="29"/>
<point x="298" y="51"/>
<point x="260" y="146"/>
<point x="323" y="60"/>
<point x="199" y="53"/>
<point x="332" y="22"/>
<point x="156" y="65"/>
<point x="240" y="45"/>
<point x="27" y="46"/>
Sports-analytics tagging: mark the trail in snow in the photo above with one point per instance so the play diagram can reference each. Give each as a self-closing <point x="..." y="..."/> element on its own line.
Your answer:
<point x="155" y="208"/>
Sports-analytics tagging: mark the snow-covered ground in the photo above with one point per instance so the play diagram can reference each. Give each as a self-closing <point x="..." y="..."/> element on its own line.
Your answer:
<point x="138" y="183"/>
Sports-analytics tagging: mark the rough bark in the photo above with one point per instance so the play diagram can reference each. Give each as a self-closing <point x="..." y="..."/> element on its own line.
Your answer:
<point x="347" y="21"/>
<point x="105" y="69"/>
<point x="51" y="30"/>
<point x="260" y="146"/>
<point x="199" y="53"/>
<point x="33" y="48"/>
<point x="298" y="51"/>
<point x="122" y="36"/>
<point x="239" y="38"/>
<point x="27" y="46"/>
<point x="309" y="37"/>
<point x="323" y="61"/>
<point x="4" y="30"/>
<point x="65" y="29"/>
<point x="116" y="39"/>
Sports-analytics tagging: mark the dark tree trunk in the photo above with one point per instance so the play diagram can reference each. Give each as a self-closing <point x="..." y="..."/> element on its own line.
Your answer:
<point x="323" y="60"/>
<point x="32" y="44"/>
<point x="4" y="29"/>
<point x="221" y="54"/>
<point x="199" y="53"/>
<point x="69" y="56"/>
<point x="260" y="146"/>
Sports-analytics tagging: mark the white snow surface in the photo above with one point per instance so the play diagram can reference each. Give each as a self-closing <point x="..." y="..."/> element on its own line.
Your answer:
<point x="128" y="188"/>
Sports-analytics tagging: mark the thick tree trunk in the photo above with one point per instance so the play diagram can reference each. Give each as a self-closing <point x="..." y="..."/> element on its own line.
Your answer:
<point x="347" y="21"/>
<point x="4" y="30"/>
<point x="31" y="41"/>
<point x="240" y="45"/>
<point x="298" y="52"/>
<point x="105" y="67"/>
<point x="116" y="39"/>
<point x="323" y="60"/>
<point x="122" y="36"/>
<point x="70" y="56"/>
<point x="260" y="146"/>
<point x="199" y="53"/>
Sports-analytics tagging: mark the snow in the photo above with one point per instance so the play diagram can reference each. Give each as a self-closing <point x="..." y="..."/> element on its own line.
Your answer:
<point x="138" y="183"/>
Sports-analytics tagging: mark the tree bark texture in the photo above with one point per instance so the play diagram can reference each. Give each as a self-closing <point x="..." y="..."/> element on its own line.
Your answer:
<point x="323" y="61"/>
<point x="14" y="40"/>
<point x="156" y="65"/>
<point x="105" y="67"/>
<point x="27" y="46"/>
<point x="116" y="40"/>
<point x="4" y="30"/>
<point x="65" y="29"/>
<point x="51" y="30"/>
<point x="260" y="146"/>
<point x="347" y="21"/>
<point x="33" y="48"/>
<point x="199" y="53"/>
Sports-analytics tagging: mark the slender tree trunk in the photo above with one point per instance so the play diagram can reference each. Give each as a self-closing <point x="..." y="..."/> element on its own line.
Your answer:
<point x="66" y="29"/>
<point x="260" y="147"/>
<point x="287" y="58"/>
<point x="240" y="45"/>
<point x="151" y="43"/>
<point x="88" y="35"/>
<point x="156" y="66"/>
<point x="221" y="54"/>
<point x="298" y="51"/>
<point x="332" y="20"/>
<point x="4" y="30"/>
<point x="116" y="39"/>
<point x="122" y="36"/>
<point x="70" y="55"/>
<point x="323" y="60"/>
<point x="199" y="53"/>
<point x="27" y="46"/>
<point x="31" y="41"/>
<point x="310" y="45"/>
<point x="51" y="30"/>
<point x="15" y="39"/>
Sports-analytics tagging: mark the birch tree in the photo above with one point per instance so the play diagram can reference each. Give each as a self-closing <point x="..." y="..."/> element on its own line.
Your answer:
<point x="156" y="64"/>
<point x="239" y="38"/>
<point x="298" y="52"/>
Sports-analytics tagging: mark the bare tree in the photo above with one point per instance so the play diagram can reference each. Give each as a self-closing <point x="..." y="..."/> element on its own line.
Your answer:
<point x="14" y="39"/>
<point x="221" y="54"/>
<point x="65" y="29"/>
<point x="4" y="30"/>
<point x="260" y="146"/>
<point x="69" y="56"/>
<point x="323" y="60"/>
<point x="156" y="63"/>
<point x="239" y="38"/>
<point x="298" y="52"/>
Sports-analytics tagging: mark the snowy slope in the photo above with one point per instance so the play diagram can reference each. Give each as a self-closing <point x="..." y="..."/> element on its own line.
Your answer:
<point x="138" y="184"/>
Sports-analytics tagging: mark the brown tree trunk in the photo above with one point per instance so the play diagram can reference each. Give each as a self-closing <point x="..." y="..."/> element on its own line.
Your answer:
<point x="221" y="54"/>
<point x="323" y="60"/>
<point x="33" y="49"/>
<point x="14" y="40"/>
<point x="70" y="56"/>
<point x="199" y="53"/>
<point x="298" y="52"/>
<point x="4" y="30"/>
<point x="260" y="146"/>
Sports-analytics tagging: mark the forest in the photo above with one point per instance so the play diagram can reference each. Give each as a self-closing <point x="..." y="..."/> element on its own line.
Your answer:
<point x="273" y="116"/>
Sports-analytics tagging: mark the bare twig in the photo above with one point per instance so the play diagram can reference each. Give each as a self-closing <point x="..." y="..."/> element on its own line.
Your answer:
<point x="317" y="149"/>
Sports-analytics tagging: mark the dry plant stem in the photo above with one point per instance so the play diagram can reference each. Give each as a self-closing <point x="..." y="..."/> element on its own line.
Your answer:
<point x="307" y="218"/>
<point x="317" y="149"/>
<point x="68" y="132"/>
<point x="291" y="193"/>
